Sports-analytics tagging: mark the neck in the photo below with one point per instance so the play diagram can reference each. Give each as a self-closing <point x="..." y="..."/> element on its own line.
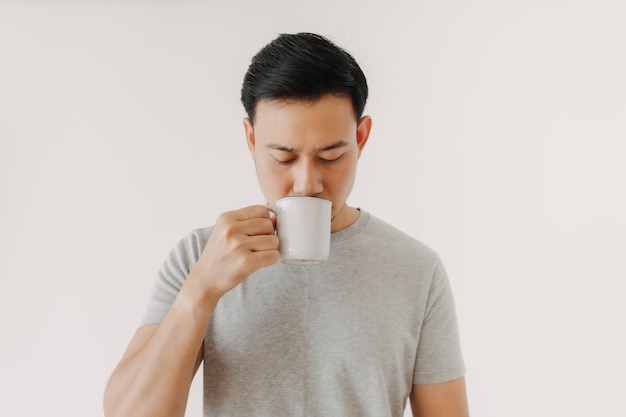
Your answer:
<point x="344" y="218"/>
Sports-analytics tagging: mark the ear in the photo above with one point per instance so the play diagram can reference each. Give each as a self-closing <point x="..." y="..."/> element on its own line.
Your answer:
<point x="249" y="131"/>
<point x="363" y="129"/>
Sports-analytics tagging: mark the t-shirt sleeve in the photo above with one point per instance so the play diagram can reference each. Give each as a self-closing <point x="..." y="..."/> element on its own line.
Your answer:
<point x="172" y="275"/>
<point x="439" y="358"/>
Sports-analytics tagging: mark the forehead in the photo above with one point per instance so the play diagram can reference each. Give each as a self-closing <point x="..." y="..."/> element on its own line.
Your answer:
<point x="328" y="118"/>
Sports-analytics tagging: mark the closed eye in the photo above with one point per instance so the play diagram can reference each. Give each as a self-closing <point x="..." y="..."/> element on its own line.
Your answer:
<point x="330" y="161"/>
<point x="284" y="161"/>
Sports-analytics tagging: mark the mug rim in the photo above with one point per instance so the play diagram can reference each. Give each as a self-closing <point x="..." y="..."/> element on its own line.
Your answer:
<point x="303" y="197"/>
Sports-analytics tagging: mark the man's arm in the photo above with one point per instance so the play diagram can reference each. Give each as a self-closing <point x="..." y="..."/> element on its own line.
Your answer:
<point x="448" y="399"/>
<point x="155" y="374"/>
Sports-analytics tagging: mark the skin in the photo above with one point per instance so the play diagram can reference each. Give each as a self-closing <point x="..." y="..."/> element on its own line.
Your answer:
<point x="306" y="148"/>
<point x="448" y="399"/>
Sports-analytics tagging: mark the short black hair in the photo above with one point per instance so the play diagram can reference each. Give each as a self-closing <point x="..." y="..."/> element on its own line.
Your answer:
<point x="303" y="66"/>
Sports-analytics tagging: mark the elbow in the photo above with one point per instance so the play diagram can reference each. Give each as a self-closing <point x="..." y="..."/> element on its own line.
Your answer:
<point x="108" y="402"/>
<point x="113" y="401"/>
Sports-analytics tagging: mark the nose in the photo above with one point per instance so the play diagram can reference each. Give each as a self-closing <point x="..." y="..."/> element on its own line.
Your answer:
<point x="307" y="179"/>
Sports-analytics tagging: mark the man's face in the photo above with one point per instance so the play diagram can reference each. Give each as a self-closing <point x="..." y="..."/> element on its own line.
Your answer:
<point x="303" y="148"/>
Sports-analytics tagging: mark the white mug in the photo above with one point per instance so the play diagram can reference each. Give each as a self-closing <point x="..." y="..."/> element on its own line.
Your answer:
<point x="303" y="229"/>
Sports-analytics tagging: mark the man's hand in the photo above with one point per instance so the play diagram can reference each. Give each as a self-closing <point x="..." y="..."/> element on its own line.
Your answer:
<point x="241" y="242"/>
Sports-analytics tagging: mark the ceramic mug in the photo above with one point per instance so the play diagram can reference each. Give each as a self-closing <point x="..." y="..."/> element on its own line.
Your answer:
<point x="303" y="229"/>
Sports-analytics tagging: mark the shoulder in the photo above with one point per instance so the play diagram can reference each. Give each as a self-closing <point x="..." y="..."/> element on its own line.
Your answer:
<point x="378" y="244"/>
<point x="392" y="237"/>
<point x="189" y="248"/>
<point x="199" y="236"/>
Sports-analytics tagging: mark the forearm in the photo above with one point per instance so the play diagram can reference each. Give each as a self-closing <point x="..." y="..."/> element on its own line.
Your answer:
<point x="154" y="379"/>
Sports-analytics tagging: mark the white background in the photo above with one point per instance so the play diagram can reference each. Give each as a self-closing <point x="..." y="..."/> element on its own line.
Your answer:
<point x="498" y="140"/>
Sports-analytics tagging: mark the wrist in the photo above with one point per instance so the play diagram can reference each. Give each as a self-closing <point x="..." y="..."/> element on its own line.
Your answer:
<point x="198" y="296"/>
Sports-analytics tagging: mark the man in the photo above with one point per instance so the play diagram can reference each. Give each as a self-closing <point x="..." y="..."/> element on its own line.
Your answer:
<point x="357" y="336"/>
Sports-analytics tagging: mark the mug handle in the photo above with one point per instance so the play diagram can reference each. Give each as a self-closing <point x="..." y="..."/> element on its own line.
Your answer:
<point x="274" y="210"/>
<point x="271" y="208"/>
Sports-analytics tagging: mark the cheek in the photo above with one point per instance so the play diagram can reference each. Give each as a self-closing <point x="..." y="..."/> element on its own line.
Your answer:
<point x="338" y="184"/>
<point x="345" y="176"/>
<point x="270" y="177"/>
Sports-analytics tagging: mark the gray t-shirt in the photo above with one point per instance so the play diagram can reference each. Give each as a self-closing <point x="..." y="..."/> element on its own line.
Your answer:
<point x="348" y="338"/>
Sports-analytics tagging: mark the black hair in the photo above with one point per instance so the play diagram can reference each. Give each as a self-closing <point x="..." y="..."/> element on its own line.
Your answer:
<point x="303" y="66"/>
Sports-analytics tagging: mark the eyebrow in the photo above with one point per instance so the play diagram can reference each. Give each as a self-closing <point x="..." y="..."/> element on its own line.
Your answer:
<point x="335" y="145"/>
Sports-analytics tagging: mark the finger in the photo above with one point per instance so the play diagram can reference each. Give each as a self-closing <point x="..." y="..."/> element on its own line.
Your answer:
<point x="256" y="226"/>
<point x="266" y="257"/>
<point x="250" y="212"/>
<point x="263" y="243"/>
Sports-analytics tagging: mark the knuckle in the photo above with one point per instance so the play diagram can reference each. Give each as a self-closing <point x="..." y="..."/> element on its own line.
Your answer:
<point x="230" y="234"/>
<point x="237" y="245"/>
<point x="260" y="211"/>
<point x="224" y="218"/>
<point x="272" y="257"/>
<point x="266" y="226"/>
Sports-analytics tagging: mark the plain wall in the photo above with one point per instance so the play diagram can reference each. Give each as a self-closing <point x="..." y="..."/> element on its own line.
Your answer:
<point x="498" y="140"/>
